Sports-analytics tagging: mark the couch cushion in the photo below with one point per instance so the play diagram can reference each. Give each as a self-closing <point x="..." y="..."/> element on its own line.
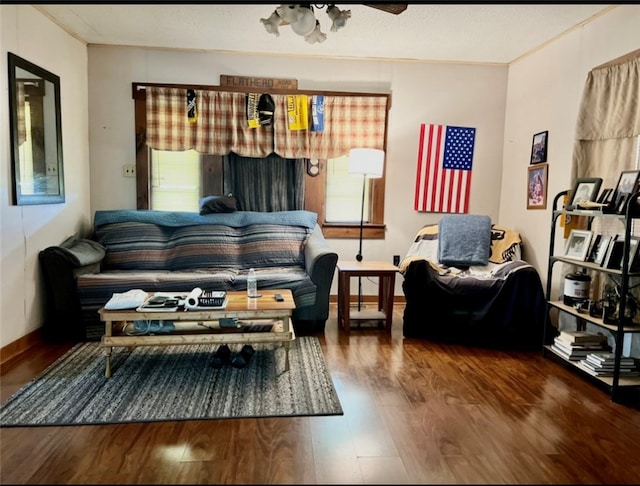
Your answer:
<point x="94" y="290"/>
<point x="144" y="246"/>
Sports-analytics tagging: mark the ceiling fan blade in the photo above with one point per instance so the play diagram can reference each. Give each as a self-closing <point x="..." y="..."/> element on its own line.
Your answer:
<point x="392" y="8"/>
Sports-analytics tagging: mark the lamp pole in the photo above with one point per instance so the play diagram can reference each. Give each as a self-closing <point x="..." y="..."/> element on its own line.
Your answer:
<point x="364" y="182"/>
<point x="359" y="255"/>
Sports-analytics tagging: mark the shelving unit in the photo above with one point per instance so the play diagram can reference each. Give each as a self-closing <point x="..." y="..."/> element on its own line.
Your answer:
<point x="615" y="385"/>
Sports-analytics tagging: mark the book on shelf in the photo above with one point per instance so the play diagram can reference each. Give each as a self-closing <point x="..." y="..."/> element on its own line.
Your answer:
<point x="582" y="337"/>
<point x="609" y="359"/>
<point x="576" y="351"/>
<point x="586" y="366"/>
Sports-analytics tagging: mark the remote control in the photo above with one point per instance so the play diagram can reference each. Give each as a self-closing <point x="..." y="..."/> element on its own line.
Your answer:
<point x="279" y="298"/>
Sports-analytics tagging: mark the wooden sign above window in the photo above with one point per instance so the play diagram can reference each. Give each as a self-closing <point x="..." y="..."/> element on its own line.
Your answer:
<point x="257" y="82"/>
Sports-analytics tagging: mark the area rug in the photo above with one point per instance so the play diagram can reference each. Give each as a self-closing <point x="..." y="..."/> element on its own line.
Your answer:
<point x="162" y="383"/>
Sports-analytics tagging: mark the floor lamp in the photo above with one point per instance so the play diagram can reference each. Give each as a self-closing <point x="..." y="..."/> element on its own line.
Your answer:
<point x="369" y="163"/>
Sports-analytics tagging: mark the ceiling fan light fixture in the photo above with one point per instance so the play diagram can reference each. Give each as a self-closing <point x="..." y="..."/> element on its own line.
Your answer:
<point x="271" y="24"/>
<point x="306" y="22"/>
<point x="316" y="35"/>
<point x="338" y="17"/>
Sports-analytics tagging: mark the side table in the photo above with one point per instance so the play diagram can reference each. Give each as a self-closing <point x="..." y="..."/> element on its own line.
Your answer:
<point x="385" y="272"/>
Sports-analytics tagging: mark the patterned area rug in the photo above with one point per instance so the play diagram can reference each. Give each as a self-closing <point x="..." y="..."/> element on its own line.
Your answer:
<point x="161" y="383"/>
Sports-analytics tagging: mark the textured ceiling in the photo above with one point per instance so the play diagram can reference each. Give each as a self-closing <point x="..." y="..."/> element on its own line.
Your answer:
<point x="498" y="33"/>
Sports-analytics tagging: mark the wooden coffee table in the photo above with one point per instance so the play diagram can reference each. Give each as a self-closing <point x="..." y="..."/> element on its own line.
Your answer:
<point x="202" y="326"/>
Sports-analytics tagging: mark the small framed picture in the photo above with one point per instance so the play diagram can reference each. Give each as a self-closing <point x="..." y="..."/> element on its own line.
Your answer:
<point x="539" y="147"/>
<point x="613" y="258"/>
<point x="634" y="241"/>
<point x="537" y="187"/>
<point x="621" y="203"/>
<point x="593" y="247"/>
<point x="605" y="196"/>
<point x="584" y="189"/>
<point x="578" y="244"/>
<point x="601" y="249"/>
<point x="627" y="184"/>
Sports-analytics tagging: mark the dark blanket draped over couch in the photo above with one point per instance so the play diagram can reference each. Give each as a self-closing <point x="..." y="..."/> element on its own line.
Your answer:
<point x="500" y="304"/>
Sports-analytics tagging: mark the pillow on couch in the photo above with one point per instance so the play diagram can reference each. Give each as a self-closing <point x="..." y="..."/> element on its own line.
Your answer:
<point x="218" y="204"/>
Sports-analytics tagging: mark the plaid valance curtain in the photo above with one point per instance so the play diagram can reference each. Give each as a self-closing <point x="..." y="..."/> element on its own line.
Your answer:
<point x="221" y="126"/>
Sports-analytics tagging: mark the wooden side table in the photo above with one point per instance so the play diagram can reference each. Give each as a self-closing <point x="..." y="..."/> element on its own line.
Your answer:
<point x="385" y="272"/>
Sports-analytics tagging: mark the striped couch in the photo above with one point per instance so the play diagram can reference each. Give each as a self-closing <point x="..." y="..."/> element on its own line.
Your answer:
<point x="177" y="251"/>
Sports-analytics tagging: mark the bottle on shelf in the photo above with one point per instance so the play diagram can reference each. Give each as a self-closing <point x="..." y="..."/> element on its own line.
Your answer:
<point x="252" y="284"/>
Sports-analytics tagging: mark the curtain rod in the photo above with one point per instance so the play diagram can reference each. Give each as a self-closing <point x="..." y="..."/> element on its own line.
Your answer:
<point x="138" y="90"/>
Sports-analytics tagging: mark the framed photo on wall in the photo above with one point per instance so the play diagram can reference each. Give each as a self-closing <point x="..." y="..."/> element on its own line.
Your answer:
<point x="537" y="186"/>
<point x="539" y="147"/>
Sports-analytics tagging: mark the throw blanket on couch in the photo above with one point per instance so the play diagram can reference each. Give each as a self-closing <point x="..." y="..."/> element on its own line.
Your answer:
<point x="505" y="247"/>
<point x="238" y="219"/>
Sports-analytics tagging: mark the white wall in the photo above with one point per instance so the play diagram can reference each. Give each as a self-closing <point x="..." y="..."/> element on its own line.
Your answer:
<point x="421" y="93"/>
<point x="544" y="92"/>
<point x="26" y="230"/>
<point x="539" y="92"/>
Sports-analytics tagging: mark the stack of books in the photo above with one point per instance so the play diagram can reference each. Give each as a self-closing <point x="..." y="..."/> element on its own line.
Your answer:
<point x="602" y="364"/>
<point x="576" y="345"/>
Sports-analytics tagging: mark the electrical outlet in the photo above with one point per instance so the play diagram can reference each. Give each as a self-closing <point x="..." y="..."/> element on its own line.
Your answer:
<point x="129" y="170"/>
<point x="52" y="169"/>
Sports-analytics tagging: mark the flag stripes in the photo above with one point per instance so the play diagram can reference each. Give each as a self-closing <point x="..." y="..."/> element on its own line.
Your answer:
<point x="443" y="177"/>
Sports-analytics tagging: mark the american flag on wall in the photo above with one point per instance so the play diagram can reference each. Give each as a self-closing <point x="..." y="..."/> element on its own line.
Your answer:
<point x="443" y="177"/>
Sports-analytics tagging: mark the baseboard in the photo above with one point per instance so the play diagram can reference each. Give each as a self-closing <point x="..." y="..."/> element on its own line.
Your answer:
<point x="20" y="345"/>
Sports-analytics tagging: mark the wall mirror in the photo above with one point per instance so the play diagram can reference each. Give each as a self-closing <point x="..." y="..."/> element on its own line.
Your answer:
<point x="36" y="134"/>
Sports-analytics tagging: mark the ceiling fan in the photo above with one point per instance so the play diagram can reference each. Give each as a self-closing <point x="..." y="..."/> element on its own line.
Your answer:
<point x="392" y="8"/>
<point x="302" y="19"/>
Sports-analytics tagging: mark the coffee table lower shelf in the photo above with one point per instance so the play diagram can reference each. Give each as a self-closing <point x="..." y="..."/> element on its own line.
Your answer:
<point x="202" y="326"/>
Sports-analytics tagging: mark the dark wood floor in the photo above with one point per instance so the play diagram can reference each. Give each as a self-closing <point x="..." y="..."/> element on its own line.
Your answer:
<point x="414" y="412"/>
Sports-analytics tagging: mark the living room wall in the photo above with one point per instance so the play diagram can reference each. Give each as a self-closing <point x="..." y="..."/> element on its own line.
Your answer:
<point x="446" y="93"/>
<point x="507" y="106"/>
<point x="544" y="93"/>
<point x="25" y="230"/>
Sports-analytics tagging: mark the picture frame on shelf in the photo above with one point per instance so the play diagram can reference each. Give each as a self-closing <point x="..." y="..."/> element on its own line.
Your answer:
<point x="621" y="203"/>
<point x="593" y="247"/>
<point x="634" y="244"/>
<point x="585" y="189"/>
<point x="614" y="254"/>
<point x="627" y="185"/>
<point x="539" y="147"/>
<point x="577" y="245"/>
<point x="605" y="195"/>
<point x="600" y="252"/>
<point x="537" y="186"/>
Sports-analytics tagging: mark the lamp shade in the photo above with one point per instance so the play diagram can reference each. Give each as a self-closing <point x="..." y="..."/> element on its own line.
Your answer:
<point x="367" y="162"/>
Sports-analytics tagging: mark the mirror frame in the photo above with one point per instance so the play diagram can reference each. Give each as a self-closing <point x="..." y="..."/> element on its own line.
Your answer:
<point x="15" y="63"/>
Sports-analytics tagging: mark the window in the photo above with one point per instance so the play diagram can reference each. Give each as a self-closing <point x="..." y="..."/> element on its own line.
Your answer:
<point x="343" y="194"/>
<point x="333" y="194"/>
<point x="175" y="180"/>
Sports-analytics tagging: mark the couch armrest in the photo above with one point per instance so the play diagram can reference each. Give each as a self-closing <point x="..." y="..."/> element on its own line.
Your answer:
<point x="60" y="266"/>
<point x="320" y="262"/>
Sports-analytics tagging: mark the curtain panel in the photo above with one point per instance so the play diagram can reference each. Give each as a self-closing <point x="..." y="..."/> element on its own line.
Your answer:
<point x="608" y="124"/>
<point x="221" y="126"/>
<point x="608" y="136"/>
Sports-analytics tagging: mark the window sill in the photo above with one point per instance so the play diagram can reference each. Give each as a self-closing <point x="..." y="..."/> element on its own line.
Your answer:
<point x="369" y="231"/>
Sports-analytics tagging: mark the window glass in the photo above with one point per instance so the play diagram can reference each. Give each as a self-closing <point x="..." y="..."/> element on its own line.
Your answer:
<point x="343" y="196"/>
<point x="175" y="180"/>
